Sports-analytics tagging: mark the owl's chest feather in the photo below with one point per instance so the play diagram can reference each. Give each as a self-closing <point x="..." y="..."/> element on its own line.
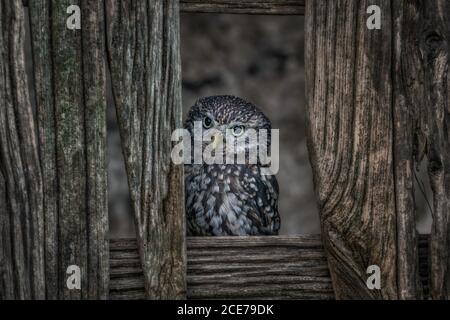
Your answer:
<point x="222" y="200"/>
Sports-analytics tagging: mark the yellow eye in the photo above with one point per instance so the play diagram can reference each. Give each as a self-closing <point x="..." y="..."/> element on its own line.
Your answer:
<point x="237" y="130"/>
<point x="207" y="122"/>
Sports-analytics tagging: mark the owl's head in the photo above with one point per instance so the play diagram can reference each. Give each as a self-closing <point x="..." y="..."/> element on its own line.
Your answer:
<point x="228" y="115"/>
<point x="226" y="112"/>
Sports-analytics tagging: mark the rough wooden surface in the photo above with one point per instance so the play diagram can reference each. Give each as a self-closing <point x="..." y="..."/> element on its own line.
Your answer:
<point x="434" y="118"/>
<point x="421" y="128"/>
<point x="94" y="95"/>
<point x="244" y="6"/>
<point x="235" y="267"/>
<point x="350" y="143"/>
<point x="352" y="147"/>
<point x="377" y="104"/>
<point x="406" y="97"/>
<point x="282" y="267"/>
<point x="41" y="35"/>
<point x="69" y="77"/>
<point x="143" y="45"/>
<point x="21" y="202"/>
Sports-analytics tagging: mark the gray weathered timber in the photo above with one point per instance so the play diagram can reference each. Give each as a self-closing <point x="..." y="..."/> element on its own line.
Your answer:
<point x="406" y="95"/>
<point x="41" y="35"/>
<point x="69" y="77"/>
<point x="70" y="146"/>
<point x="283" y="267"/>
<point x="353" y="151"/>
<point x="377" y="104"/>
<point x="143" y="45"/>
<point x="282" y="7"/>
<point x="94" y="84"/>
<point x="434" y="119"/>
<point x="421" y="128"/>
<point x="21" y="199"/>
<point x="280" y="267"/>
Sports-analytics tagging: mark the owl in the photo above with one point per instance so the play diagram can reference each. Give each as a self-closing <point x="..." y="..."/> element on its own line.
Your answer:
<point x="229" y="199"/>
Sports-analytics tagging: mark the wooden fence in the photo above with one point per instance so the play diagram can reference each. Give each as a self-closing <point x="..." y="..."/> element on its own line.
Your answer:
<point x="377" y="105"/>
<point x="282" y="267"/>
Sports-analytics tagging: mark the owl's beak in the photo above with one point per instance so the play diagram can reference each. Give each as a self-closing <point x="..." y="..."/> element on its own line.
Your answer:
<point x="217" y="139"/>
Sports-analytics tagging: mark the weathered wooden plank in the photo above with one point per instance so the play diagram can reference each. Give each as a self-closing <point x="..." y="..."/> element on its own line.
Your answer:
<point x="127" y="295"/>
<point x="360" y="168"/>
<point x="130" y="283"/>
<point x="130" y="263"/>
<point x="21" y="213"/>
<point x="407" y="95"/>
<point x="42" y="69"/>
<point x="299" y="241"/>
<point x="70" y="147"/>
<point x="124" y="255"/>
<point x="278" y="7"/>
<point x="143" y="45"/>
<point x="94" y="94"/>
<point x="434" y="48"/>
<point x="240" y="267"/>
<point x="70" y="82"/>
<point x="281" y="7"/>
<point x="125" y="271"/>
<point x="245" y="278"/>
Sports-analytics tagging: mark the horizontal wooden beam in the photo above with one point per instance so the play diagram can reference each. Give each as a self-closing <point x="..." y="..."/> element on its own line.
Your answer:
<point x="235" y="267"/>
<point x="279" y="267"/>
<point x="275" y="7"/>
<point x="279" y="7"/>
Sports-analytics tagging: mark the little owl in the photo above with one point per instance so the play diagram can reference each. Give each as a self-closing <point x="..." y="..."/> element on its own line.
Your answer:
<point x="229" y="199"/>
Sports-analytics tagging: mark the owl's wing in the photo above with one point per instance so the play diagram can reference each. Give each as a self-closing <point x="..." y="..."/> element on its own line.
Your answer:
<point x="260" y="199"/>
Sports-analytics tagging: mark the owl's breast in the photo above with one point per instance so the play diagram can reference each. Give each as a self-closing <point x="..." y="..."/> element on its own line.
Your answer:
<point x="229" y="200"/>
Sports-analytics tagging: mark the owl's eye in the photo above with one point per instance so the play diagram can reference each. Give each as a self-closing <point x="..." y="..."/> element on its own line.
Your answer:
<point x="207" y="122"/>
<point x="237" y="130"/>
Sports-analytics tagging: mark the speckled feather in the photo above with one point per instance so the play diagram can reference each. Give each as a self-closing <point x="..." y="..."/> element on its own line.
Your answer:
<point x="230" y="199"/>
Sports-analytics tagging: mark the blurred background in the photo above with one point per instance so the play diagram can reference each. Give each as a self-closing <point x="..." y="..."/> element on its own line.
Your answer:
<point x="260" y="59"/>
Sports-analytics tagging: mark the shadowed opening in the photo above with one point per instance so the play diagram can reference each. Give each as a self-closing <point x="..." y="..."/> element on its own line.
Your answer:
<point x="259" y="58"/>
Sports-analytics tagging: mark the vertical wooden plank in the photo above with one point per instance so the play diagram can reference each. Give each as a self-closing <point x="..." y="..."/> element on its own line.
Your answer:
<point x="21" y="183"/>
<point x="41" y="35"/>
<point x="408" y="96"/>
<point x="143" y="43"/>
<point x="350" y="133"/>
<point x="422" y="112"/>
<point x="6" y="274"/>
<point x="70" y="147"/>
<point x="377" y="104"/>
<point x="70" y="88"/>
<point x="94" y="74"/>
<point x="435" y="50"/>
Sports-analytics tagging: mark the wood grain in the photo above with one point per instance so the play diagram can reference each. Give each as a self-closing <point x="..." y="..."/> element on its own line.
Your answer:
<point x="69" y="79"/>
<point x="21" y="196"/>
<point x="434" y="47"/>
<point x="283" y="267"/>
<point x="144" y="58"/>
<point x="281" y="7"/>
<point x="350" y="83"/>
<point x="407" y="95"/>
<point x="377" y="105"/>
<point x="46" y="124"/>
<point x="279" y="267"/>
